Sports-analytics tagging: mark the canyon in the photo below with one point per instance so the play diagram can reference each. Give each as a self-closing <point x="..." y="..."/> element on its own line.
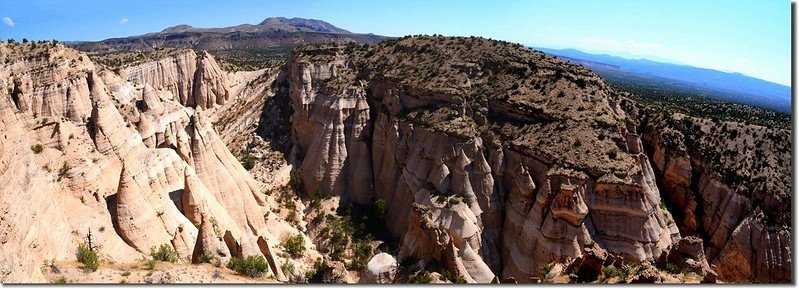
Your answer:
<point x="130" y="156"/>
<point x="493" y="163"/>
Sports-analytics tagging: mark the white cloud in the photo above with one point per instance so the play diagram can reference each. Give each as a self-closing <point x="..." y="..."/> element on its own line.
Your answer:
<point x="7" y="21"/>
<point x="123" y="20"/>
<point x="626" y="45"/>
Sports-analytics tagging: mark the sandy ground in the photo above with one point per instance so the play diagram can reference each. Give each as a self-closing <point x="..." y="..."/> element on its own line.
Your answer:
<point x="164" y="272"/>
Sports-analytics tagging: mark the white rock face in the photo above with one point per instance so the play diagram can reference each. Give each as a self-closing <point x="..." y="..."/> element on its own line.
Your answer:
<point x="130" y="156"/>
<point x="196" y="80"/>
<point x="331" y="132"/>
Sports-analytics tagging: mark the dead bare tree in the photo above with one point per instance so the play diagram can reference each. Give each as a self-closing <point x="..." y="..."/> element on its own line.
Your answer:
<point x="89" y="241"/>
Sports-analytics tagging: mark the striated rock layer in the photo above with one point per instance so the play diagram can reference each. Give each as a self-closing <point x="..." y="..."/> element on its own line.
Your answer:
<point x="129" y="155"/>
<point x="490" y="162"/>
<point x="193" y="80"/>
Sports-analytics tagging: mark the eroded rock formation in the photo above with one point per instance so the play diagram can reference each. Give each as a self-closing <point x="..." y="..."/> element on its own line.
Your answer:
<point x="466" y="162"/>
<point x="194" y="80"/>
<point x="744" y="226"/>
<point x="129" y="155"/>
<point x="495" y="159"/>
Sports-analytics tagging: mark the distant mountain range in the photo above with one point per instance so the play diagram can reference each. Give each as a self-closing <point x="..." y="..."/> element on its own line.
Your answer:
<point x="726" y="86"/>
<point x="277" y="35"/>
<point x="274" y="32"/>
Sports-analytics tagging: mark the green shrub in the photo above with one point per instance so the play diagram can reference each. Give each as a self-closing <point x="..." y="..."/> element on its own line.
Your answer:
<point x="446" y="274"/>
<point x="611" y="271"/>
<point x="380" y="208"/>
<point x="251" y="266"/>
<point x="150" y="264"/>
<point x="316" y="203"/>
<point x="546" y="267"/>
<point x="64" y="169"/>
<point x="338" y="233"/>
<point x="295" y="181"/>
<point x="316" y="274"/>
<point x="420" y="278"/>
<point x="206" y="258"/>
<point x="287" y="268"/>
<point x="292" y="218"/>
<point x="318" y="218"/>
<point x="671" y="268"/>
<point x="247" y="160"/>
<point x="362" y="251"/>
<point x="38" y="148"/>
<point x="580" y="82"/>
<point x="454" y="201"/>
<point x="468" y="199"/>
<point x="164" y="253"/>
<point x="289" y="271"/>
<point x="88" y="257"/>
<point x="452" y="277"/>
<point x="60" y="280"/>
<point x="613" y="153"/>
<point x="294" y="245"/>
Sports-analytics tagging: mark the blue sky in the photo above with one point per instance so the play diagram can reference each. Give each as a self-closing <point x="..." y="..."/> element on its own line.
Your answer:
<point x="750" y="37"/>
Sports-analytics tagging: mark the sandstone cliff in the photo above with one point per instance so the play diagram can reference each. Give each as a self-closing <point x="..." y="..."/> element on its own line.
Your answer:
<point x="500" y="157"/>
<point x="128" y="154"/>
<point x="194" y="80"/>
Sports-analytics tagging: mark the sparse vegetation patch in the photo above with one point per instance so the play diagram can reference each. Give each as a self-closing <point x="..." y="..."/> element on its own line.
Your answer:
<point x="251" y="266"/>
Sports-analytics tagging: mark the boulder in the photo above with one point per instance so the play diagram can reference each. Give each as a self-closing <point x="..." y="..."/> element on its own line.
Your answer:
<point x="649" y="274"/>
<point x="381" y="268"/>
<point x="335" y="272"/>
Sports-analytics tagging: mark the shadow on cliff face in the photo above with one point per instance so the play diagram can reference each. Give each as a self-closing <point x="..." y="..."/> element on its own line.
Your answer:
<point x="111" y="205"/>
<point x="176" y="197"/>
<point x="274" y="124"/>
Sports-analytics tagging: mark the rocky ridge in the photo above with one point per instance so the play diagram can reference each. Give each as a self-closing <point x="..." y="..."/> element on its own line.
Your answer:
<point x="498" y="161"/>
<point x="270" y="33"/>
<point x="457" y="150"/>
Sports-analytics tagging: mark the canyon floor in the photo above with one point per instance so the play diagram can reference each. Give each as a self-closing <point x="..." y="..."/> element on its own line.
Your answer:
<point x="162" y="273"/>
